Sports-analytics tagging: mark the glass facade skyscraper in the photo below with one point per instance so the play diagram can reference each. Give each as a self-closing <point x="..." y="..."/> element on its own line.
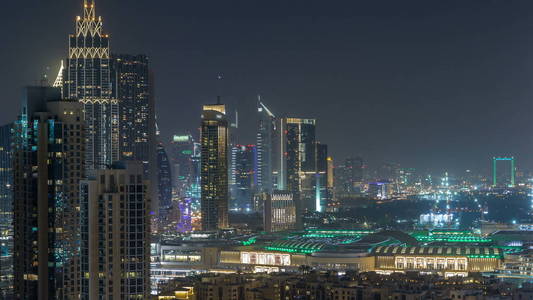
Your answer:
<point x="6" y="211"/>
<point x="300" y="154"/>
<point x="323" y="192"/>
<point x="48" y="165"/>
<point x="87" y="78"/>
<point x="214" y="167"/>
<point x="132" y="86"/>
<point x="265" y="148"/>
<point x="164" y="177"/>
<point x="243" y="179"/>
<point x="181" y="152"/>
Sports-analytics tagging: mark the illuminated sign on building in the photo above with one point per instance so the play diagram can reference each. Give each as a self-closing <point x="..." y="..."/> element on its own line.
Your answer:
<point x="262" y="258"/>
<point x="181" y="138"/>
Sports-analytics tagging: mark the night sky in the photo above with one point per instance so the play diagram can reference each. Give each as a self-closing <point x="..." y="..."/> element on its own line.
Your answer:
<point x="436" y="85"/>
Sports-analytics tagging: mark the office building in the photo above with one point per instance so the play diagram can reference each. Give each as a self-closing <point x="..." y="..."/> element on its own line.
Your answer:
<point x="48" y="166"/>
<point x="300" y="152"/>
<point x="115" y="233"/>
<point x="355" y="166"/>
<point x="185" y="181"/>
<point x="323" y="192"/>
<point x="164" y="180"/>
<point x="194" y="193"/>
<point x="132" y="87"/>
<point x="381" y="190"/>
<point x="331" y="172"/>
<point x="6" y="212"/>
<point x="265" y="148"/>
<point x="243" y="180"/>
<point x="297" y="156"/>
<point x="214" y="167"/>
<point x="279" y="212"/>
<point x="349" y="176"/>
<point x="87" y="78"/>
<point x="181" y="158"/>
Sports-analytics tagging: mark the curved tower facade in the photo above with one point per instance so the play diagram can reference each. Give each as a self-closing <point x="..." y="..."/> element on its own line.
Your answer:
<point x="214" y="167"/>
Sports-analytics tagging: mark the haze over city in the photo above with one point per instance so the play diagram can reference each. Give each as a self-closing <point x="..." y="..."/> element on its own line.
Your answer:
<point x="282" y="150"/>
<point x="436" y="85"/>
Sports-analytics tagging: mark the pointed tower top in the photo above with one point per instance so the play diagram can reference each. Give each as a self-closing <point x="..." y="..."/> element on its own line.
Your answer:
<point x="59" y="79"/>
<point x="262" y="106"/>
<point x="88" y="10"/>
<point x="89" y="24"/>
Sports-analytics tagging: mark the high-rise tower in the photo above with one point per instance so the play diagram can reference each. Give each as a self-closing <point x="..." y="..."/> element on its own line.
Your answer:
<point x="6" y="211"/>
<point x="164" y="180"/>
<point x="297" y="162"/>
<point x="243" y="179"/>
<point x="115" y="228"/>
<point x="87" y="78"/>
<point x="48" y="166"/>
<point x="322" y="190"/>
<point x="214" y="167"/>
<point x="181" y="155"/>
<point x="300" y="152"/>
<point x="132" y="86"/>
<point x="265" y="147"/>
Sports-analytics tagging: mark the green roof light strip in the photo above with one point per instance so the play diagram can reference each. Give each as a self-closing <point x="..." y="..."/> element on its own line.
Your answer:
<point x="484" y="256"/>
<point x="291" y="250"/>
<point x="249" y="242"/>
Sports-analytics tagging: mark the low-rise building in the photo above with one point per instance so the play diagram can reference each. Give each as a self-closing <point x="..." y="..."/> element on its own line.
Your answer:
<point x="445" y="261"/>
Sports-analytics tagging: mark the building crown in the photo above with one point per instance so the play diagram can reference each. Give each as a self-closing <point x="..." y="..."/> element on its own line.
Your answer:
<point x="89" y="24"/>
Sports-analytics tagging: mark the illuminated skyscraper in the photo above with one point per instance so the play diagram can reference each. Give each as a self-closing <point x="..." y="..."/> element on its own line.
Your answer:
<point x="322" y="191"/>
<point x="243" y="177"/>
<point x="298" y="164"/>
<point x="115" y="232"/>
<point x="265" y="148"/>
<point x="214" y="167"/>
<point x="185" y="182"/>
<point x="87" y="78"/>
<point x="164" y="179"/>
<point x="6" y="212"/>
<point x="191" y="211"/>
<point x="132" y="84"/>
<point x="181" y="158"/>
<point x="300" y="151"/>
<point x="48" y="166"/>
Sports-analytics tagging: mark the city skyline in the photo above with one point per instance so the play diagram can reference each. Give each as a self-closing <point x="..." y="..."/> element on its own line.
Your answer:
<point x="267" y="151"/>
<point x="461" y="115"/>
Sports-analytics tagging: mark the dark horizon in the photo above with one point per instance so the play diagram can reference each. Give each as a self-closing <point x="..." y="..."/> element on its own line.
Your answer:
<point x="432" y="85"/>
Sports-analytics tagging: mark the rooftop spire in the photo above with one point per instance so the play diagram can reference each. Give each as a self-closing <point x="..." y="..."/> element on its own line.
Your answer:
<point x="59" y="79"/>
<point x="88" y="10"/>
<point x="89" y="24"/>
<point x="263" y="106"/>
